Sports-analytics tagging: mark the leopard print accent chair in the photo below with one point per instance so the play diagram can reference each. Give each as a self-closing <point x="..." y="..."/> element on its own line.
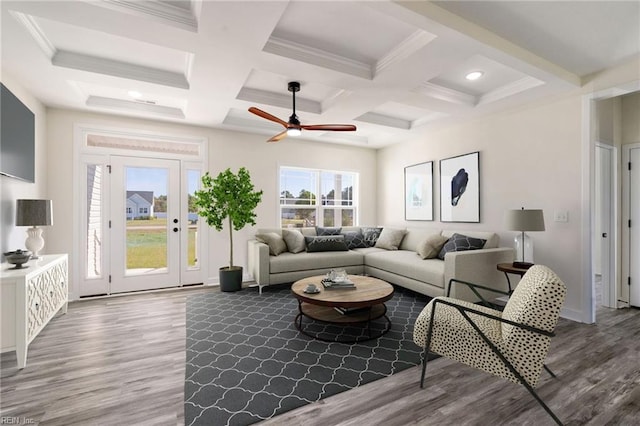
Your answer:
<point x="536" y="302"/>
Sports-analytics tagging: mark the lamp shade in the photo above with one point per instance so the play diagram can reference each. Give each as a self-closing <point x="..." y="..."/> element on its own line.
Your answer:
<point x="34" y="213"/>
<point x="524" y="220"/>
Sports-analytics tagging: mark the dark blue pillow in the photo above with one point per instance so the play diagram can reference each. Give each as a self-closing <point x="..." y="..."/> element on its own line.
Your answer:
<point x="371" y="235"/>
<point x="326" y="243"/>
<point x="320" y="231"/>
<point x="459" y="242"/>
<point x="354" y="239"/>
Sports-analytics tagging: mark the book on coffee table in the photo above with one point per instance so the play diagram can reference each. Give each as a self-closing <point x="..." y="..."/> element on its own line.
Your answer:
<point x="335" y="285"/>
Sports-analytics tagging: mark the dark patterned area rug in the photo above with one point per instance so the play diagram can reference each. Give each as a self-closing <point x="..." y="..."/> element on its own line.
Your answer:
<point x="246" y="361"/>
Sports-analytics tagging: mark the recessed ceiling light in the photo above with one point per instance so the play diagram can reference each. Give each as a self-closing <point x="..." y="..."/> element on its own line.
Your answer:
<point x="135" y="94"/>
<point x="474" y="75"/>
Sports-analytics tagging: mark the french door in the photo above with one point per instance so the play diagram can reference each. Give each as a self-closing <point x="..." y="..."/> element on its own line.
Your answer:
<point x="139" y="230"/>
<point x="145" y="235"/>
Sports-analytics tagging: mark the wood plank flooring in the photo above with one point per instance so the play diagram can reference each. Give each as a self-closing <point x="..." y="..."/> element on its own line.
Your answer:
<point x="120" y="360"/>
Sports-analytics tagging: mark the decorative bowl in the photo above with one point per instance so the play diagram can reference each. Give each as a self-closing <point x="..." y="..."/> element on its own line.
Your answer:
<point x="18" y="257"/>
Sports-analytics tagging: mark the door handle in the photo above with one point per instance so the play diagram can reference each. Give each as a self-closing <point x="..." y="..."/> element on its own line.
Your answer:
<point x="175" y="220"/>
<point x="175" y="229"/>
<point x="604" y="235"/>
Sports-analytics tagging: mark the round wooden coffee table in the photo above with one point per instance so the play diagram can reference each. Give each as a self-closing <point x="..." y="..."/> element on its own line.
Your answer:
<point x="368" y="298"/>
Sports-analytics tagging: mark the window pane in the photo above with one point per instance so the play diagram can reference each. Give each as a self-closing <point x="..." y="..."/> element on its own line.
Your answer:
<point x="298" y="217"/>
<point x="337" y="217"/>
<point x="94" y="220"/>
<point x="297" y="187"/>
<point x="193" y="184"/>
<point x="337" y="189"/>
<point x="146" y="227"/>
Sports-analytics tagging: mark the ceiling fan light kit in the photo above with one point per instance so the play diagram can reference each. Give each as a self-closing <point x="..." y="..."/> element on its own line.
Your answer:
<point x="293" y="126"/>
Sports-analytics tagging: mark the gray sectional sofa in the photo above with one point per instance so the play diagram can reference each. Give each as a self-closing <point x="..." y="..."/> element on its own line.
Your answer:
<point x="402" y="267"/>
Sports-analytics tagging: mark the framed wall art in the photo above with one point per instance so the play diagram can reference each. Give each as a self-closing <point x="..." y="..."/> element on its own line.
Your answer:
<point x="460" y="188"/>
<point x="418" y="191"/>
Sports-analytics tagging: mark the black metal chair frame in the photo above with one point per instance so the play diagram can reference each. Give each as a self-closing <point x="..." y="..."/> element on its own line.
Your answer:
<point x="464" y="312"/>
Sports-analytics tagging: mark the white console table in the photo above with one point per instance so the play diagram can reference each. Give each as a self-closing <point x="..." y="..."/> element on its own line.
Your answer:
<point x="30" y="297"/>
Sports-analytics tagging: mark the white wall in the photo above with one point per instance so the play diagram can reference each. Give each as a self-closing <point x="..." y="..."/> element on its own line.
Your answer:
<point x="226" y="149"/>
<point x="11" y="189"/>
<point x="631" y="118"/>
<point x="528" y="158"/>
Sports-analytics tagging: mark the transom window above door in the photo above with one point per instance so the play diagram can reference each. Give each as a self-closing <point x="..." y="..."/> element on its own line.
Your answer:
<point x="313" y="197"/>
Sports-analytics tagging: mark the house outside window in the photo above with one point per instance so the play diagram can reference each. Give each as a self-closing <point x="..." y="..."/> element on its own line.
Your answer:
<point x="311" y="197"/>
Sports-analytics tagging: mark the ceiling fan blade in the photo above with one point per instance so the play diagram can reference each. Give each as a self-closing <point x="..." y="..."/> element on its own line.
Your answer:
<point x="278" y="137"/>
<point x="268" y="116"/>
<point x="333" y="127"/>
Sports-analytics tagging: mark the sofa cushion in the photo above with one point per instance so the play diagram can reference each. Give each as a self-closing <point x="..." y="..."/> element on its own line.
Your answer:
<point x="294" y="240"/>
<point x="320" y="231"/>
<point x="326" y="243"/>
<point x="289" y="262"/>
<point x="407" y="264"/>
<point x="459" y="242"/>
<point x="390" y="238"/>
<point x="354" y="239"/>
<point x="274" y="241"/>
<point x="431" y="246"/>
<point x="371" y="235"/>
<point x="416" y="236"/>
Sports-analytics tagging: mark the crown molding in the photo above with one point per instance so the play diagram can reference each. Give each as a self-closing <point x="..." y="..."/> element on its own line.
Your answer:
<point x="310" y="55"/>
<point x="445" y="94"/>
<point x="343" y="137"/>
<point x="32" y="27"/>
<point x="159" y="11"/>
<point x="132" y="106"/>
<point x="385" y="120"/>
<point x="278" y="100"/>
<point x="251" y="123"/>
<point x="406" y="48"/>
<point x="510" y="89"/>
<point x="79" y="61"/>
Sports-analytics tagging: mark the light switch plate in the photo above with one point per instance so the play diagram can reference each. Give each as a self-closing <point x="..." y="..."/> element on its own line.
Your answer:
<point x="561" y="216"/>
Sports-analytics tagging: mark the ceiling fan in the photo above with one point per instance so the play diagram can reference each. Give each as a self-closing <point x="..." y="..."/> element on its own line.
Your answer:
<point x="293" y="126"/>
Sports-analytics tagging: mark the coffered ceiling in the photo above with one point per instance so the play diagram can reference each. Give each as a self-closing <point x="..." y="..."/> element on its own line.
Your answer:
<point x="393" y="69"/>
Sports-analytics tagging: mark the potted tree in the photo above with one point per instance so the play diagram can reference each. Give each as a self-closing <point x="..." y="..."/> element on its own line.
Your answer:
<point x="228" y="197"/>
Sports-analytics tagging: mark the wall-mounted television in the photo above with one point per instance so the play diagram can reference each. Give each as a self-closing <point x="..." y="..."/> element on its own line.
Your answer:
<point x="17" y="137"/>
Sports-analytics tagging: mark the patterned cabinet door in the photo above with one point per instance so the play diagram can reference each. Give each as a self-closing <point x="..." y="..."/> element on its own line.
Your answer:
<point x="46" y="293"/>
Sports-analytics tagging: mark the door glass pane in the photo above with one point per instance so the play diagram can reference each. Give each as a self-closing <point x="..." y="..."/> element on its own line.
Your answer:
<point x="146" y="219"/>
<point x="193" y="184"/>
<point x="94" y="221"/>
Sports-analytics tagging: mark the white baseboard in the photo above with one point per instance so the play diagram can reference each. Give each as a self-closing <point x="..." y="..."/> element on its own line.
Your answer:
<point x="572" y="314"/>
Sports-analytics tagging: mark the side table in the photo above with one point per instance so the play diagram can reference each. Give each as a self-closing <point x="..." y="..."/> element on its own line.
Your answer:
<point x="508" y="268"/>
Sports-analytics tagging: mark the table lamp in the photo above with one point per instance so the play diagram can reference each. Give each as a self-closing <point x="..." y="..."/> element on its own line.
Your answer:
<point x="34" y="213"/>
<point x="524" y="221"/>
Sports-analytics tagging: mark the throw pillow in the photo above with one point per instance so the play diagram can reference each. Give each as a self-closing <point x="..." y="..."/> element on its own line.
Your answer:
<point x="459" y="242"/>
<point x="431" y="246"/>
<point x="354" y="239"/>
<point x="320" y="231"/>
<point x="371" y="235"/>
<point x="390" y="239"/>
<point x="294" y="240"/>
<point x="274" y="241"/>
<point x="326" y="243"/>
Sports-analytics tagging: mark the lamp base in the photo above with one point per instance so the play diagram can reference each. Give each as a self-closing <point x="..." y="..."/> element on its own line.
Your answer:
<point x="34" y="242"/>
<point x="522" y="265"/>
